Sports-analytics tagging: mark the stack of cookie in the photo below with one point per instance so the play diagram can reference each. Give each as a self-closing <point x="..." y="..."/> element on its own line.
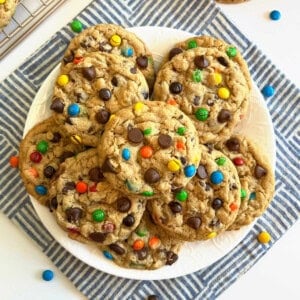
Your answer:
<point x="138" y="173"/>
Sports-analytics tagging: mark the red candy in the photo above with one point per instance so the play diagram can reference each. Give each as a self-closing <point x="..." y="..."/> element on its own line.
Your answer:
<point x="93" y="188"/>
<point x="14" y="161"/>
<point x="36" y="157"/>
<point x="238" y="161"/>
<point x="77" y="60"/>
<point x="81" y="187"/>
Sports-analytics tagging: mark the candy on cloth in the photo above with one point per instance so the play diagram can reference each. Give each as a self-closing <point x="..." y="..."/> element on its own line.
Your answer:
<point x="231" y="52"/>
<point x="268" y="91"/>
<point x="275" y="15"/>
<point x="14" y="161"/>
<point x="47" y="275"/>
<point x="264" y="237"/>
<point x="76" y="26"/>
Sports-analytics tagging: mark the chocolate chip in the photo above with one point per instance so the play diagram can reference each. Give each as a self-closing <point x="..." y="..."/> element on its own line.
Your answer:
<point x="123" y="204"/>
<point x="102" y="116"/>
<point x="114" y="81"/>
<point x="210" y="147"/>
<point x="135" y="135"/>
<point x="105" y="94"/>
<point x="56" y="137"/>
<point x="201" y="61"/>
<point x="69" y="58"/>
<point x="128" y="220"/>
<point x="259" y="171"/>
<point x="65" y="155"/>
<point x="174" y="52"/>
<point x="165" y="141"/>
<point x="117" y="249"/>
<point x="69" y="186"/>
<point x="57" y="105"/>
<point x="183" y="160"/>
<point x="210" y="102"/>
<point x="98" y="237"/>
<point x="142" y="62"/>
<point x="171" y="258"/>
<point x="233" y="186"/>
<point x="175" y="207"/>
<point x="73" y="214"/>
<point x="194" y="222"/>
<point x="89" y="73"/>
<point x="196" y="100"/>
<point x="107" y="167"/>
<point x="201" y="172"/>
<point x="142" y="254"/>
<point x="224" y="116"/>
<point x="52" y="204"/>
<point x="222" y="60"/>
<point x="96" y="175"/>
<point x="217" y="203"/>
<point x="175" y="87"/>
<point x="49" y="171"/>
<point x="133" y="70"/>
<point x="151" y="176"/>
<point x="233" y="144"/>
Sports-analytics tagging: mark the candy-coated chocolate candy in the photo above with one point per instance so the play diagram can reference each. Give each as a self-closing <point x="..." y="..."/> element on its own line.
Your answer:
<point x="221" y="161"/>
<point x="223" y="93"/>
<point x="47" y="275"/>
<point x="216" y="177"/>
<point x="233" y="207"/>
<point x="146" y="151"/>
<point x="182" y="195"/>
<point x="108" y="227"/>
<point x="108" y="255"/>
<point x="217" y="78"/>
<point x="151" y="176"/>
<point x="268" y="91"/>
<point x="142" y="61"/>
<point x="275" y="15"/>
<point x="78" y="60"/>
<point x="231" y="51"/>
<point x="131" y="186"/>
<point x="180" y="145"/>
<point x="126" y="154"/>
<point x="264" y="237"/>
<point x="41" y="190"/>
<point x="138" y="106"/>
<point x="192" y="44"/>
<point x="212" y="235"/>
<point x="73" y="110"/>
<point x="197" y="76"/>
<point x="154" y="242"/>
<point x="201" y="114"/>
<point x="147" y="131"/>
<point x="115" y="40"/>
<point x="2" y="1"/>
<point x="33" y="172"/>
<point x="63" y="80"/>
<point x="76" y="26"/>
<point x="49" y="171"/>
<point x="105" y="94"/>
<point x="138" y="244"/>
<point x="81" y="187"/>
<point x="175" y="87"/>
<point x="174" y="165"/>
<point x="42" y="147"/>
<point x="98" y="215"/>
<point x="190" y="171"/>
<point x="238" y="161"/>
<point x="181" y="130"/>
<point x="76" y="139"/>
<point x="141" y="232"/>
<point x="147" y="193"/>
<point x="252" y="196"/>
<point x="172" y="102"/>
<point x="35" y="157"/>
<point x="243" y="193"/>
<point x="14" y="161"/>
<point x="127" y="51"/>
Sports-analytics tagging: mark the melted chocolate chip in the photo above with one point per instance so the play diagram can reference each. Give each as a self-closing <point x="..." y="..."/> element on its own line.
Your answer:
<point x="175" y="207"/>
<point x="171" y="258"/>
<point x="233" y="144"/>
<point x="52" y="204"/>
<point x="96" y="175"/>
<point x="128" y="220"/>
<point x="176" y="189"/>
<point x="222" y="60"/>
<point x="201" y="61"/>
<point x="57" y="105"/>
<point x="105" y="94"/>
<point x="135" y="135"/>
<point x="98" y="237"/>
<point x="183" y="160"/>
<point x="114" y="81"/>
<point x="89" y="73"/>
<point x="107" y="167"/>
<point x="193" y="222"/>
<point x="123" y="204"/>
<point x="259" y="172"/>
<point x="69" y="58"/>
<point x="217" y="203"/>
<point x="73" y="214"/>
<point x="224" y="116"/>
<point x="201" y="172"/>
<point x="133" y="70"/>
<point x="69" y="186"/>
<point x="151" y="176"/>
<point x="49" y="171"/>
<point x="175" y="87"/>
<point x="56" y="137"/>
<point x="165" y="141"/>
<point x="142" y="254"/>
<point x="65" y="155"/>
<point x="117" y="249"/>
<point x="142" y="62"/>
<point x="102" y="116"/>
<point x="233" y="186"/>
<point x="174" y="52"/>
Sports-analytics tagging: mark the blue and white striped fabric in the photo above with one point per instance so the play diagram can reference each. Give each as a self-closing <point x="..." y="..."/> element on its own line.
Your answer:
<point x="199" y="17"/>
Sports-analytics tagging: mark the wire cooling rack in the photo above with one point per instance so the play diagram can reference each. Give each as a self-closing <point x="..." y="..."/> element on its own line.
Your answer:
<point x="28" y="15"/>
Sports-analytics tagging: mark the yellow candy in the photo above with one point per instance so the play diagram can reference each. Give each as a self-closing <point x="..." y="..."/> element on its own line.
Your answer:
<point x="76" y="139"/>
<point x="115" y="40"/>
<point x="2" y="1"/>
<point x="174" y="165"/>
<point x="264" y="237"/>
<point x="223" y="93"/>
<point x="63" y="80"/>
<point x="138" y="106"/>
<point x="217" y="78"/>
<point x="212" y="235"/>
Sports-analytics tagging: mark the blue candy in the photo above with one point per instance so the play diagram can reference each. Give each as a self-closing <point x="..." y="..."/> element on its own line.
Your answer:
<point x="252" y="196"/>
<point x="41" y="190"/>
<point x="107" y="255"/>
<point x="190" y="171"/>
<point x="48" y="275"/>
<point x="268" y="91"/>
<point x="275" y="15"/>
<point x="73" y="110"/>
<point x="127" y="51"/>
<point x="216" y="177"/>
<point x="126" y="154"/>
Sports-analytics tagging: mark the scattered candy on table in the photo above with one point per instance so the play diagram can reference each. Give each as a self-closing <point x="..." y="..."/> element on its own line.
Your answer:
<point x="275" y="15"/>
<point x="47" y="275"/>
<point x="76" y="26"/>
<point x="264" y="237"/>
<point x="14" y="161"/>
<point x="268" y="91"/>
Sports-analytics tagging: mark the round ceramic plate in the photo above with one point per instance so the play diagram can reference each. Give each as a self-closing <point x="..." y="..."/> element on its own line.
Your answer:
<point x="193" y="256"/>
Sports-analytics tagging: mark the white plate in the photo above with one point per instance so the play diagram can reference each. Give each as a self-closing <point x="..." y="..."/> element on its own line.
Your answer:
<point x="193" y="256"/>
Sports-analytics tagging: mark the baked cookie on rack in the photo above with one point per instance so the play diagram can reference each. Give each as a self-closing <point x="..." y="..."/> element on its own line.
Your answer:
<point x="7" y="9"/>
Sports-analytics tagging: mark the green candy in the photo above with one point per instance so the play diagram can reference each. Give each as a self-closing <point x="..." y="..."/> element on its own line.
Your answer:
<point x="181" y="130"/>
<point x="182" y="195"/>
<point x="192" y="44"/>
<point x="221" y="161"/>
<point x="197" y="76"/>
<point x="243" y="193"/>
<point x="147" y="131"/>
<point x="141" y="232"/>
<point x="231" y="51"/>
<point x="147" y="193"/>
<point x="98" y="215"/>
<point x="201" y="114"/>
<point x="42" y="147"/>
<point x="76" y="26"/>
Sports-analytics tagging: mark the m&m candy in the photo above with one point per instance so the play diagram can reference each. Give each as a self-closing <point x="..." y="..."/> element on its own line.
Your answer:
<point x="216" y="177"/>
<point x="73" y="110"/>
<point x="47" y="275"/>
<point x="190" y="171"/>
<point x="275" y="15"/>
<point x="14" y="161"/>
<point x="126" y="154"/>
<point x="264" y="237"/>
<point x="76" y="26"/>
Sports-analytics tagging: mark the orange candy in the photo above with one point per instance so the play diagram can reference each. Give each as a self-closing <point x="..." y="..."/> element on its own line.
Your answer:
<point x="172" y="102"/>
<point x="33" y="172"/>
<point x="77" y="60"/>
<point x="146" y="151"/>
<point x="138" y="245"/>
<point x="81" y="187"/>
<point x="154" y="242"/>
<point x="180" y="145"/>
<point x="14" y="161"/>
<point x="233" y="206"/>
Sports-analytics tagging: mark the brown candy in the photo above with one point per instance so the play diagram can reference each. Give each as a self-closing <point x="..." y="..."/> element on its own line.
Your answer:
<point x="117" y="249"/>
<point x="107" y="167"/>
<point x="201" y="172"/>
<point x="174" y="52"/>
<point x="175" y="207"/>
<point x="224" y="116"/>
<point x="171" y="258"/>
<point x="135" y="135"/>
<point x="164" y="141"/>
<point x="74" y="214"/>
<point x="102" y="116"/>
<point x="128" y="220"/>
<point x="217" y="203"/>
<point x="233" y="144"/>
<point x="259" y="172"/>
<point x="57" y="105"/>
<point x="194" y="222"/>
<point x="175" y="87"/>
<point x="142" y="62"/>
<point x="98" y="237"/>
<point x="49" y="171"/>
<point x="96" y="175"/>
<point x="123" y="204"/>
<point x="201" y="61"/>
<point x="151" y="176"/>
<point x="105" y="94"/>
<point x="89" y="73"/>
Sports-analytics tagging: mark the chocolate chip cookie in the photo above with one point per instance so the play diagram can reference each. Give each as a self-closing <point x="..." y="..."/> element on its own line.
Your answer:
<point x="7" y="9"/>
<point x="114" y="39"/>
<point x="206" y="206"/>
<point x="90" y="90"/>
<point x="256" y="177"/>
<point x="41" y="152"/>
<point x="88" y="207"/>
<point x="149" y="148"/>
<point x="213" y="92"/>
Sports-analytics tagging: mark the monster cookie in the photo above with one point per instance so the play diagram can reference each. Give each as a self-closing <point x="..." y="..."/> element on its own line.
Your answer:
<point x="147" y="247"/>
<point x="7" y="9"/>
<point x="92" y="89"/>
<point x="256" y="177"/>
<point x="112" y="39"/>
<point x="213" y="94"/>
<point x="206" y="206"/>
<point x="42" y="150"/>
<point x="149" y="148"/>
<point x="88" y="207"/>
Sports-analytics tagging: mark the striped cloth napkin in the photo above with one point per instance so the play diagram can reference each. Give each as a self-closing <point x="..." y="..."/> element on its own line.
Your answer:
<point x="199" y="17"/>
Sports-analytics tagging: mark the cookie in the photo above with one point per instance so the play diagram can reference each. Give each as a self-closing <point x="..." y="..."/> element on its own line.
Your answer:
<point x="147" y="247"/>
<point x="256" y="177"/>
<point x="88" y="207"/>
<point x="41" y="152"/>
<point x="90" y="90"/>
<point x="7" y="9"/>
<point x="149" y="149"/>
<point x="112" y="39"/>
<point x="213" y="92"/>
<point x="206" y="206"/>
